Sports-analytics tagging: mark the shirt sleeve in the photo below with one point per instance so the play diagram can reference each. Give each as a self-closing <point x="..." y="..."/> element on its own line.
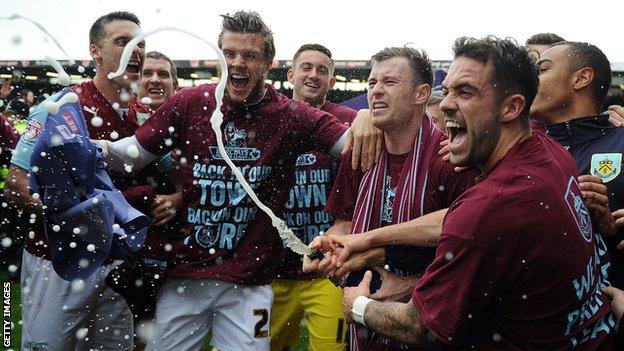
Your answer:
<point x="318" y="130"/>
<point x="461" y="273"/>
<point x="24" y="148"/>
<point x="342" y="199"/>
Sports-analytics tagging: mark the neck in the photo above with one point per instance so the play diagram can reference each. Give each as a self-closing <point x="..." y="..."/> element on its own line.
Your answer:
<point x="109" y="89"/>
<point x="400" y="140"/>
<point x="313" y="103"/>
<point x="256" y="95"/>
<point x="580" y="106"/>
<point x="510" y="136"/>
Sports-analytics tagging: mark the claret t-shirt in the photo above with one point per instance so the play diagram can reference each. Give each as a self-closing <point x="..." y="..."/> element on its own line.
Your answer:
<point x="518" y="266"/>
<point x="224" y="235"/>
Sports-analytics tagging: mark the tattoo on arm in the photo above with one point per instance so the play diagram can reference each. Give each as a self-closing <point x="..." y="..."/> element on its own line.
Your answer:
<point x="396" y="320"/>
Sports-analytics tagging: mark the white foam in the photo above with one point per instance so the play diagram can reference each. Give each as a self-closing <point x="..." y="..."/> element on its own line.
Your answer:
<point x="132" y="151"/>
<point x="146" y="100"/>
<point x="54" y="106"/>
<point x="97" y="121"/>
<point x="63" y="77"/>
<point x="285" y="233"/>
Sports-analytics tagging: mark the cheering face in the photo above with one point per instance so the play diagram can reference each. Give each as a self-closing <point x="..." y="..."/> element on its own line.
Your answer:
<point x="391" y="93"/>
<point x="157" y="82"/>
<point x="312" y="77"/>
<point x="244" y="54"/>
<point x="108" y="52"/>
<point x="471" y="112"/>
<point x="556" y="82"/>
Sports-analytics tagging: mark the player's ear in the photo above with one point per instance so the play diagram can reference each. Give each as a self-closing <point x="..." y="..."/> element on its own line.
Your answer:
<point x="421" y="94"/>
<point x="512" y="107"/>
<point x="291" y="76"/>
<point x="96" y="55"/>
<point x="332" y="81"/>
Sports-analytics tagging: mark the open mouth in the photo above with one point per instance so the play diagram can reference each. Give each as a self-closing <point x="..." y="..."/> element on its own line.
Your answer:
<point x="156" y="91"/>
<point x="311" y="85"/>
<point x="133" y="67"/>
<point x="456" y="132"/>
<point x="379" y="106"/>
<point x="239" y="81"/>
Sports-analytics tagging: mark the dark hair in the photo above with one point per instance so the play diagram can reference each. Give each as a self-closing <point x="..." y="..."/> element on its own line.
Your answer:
<point x="314" y="47"/>
<point x="513" y="71"/>
<point x="17" y="106"/>
<point x="543" y="39"/>
<point x="249" y="22"/>
<point x="584" y="55"/>
<point x="419" y="62"/>
<point x="96" y="33"/>
<point x="157" y="55"/>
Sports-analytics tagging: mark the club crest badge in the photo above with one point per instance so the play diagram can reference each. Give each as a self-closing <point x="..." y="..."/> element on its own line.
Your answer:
<point x="578" y="209"/>
<point x="606" y="166"/>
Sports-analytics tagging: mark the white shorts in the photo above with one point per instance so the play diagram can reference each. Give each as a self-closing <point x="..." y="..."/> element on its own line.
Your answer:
<point x="237" y="314"/>
<point x="56" y="312"/>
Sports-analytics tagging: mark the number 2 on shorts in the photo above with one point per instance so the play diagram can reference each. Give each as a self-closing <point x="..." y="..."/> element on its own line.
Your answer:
<point x="264" y="319"/>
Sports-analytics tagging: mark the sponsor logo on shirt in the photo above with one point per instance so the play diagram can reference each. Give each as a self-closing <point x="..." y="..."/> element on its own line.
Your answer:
<point x="70" y="122"/>
<point x="33" y="129"/>
<point x="236" y="146"/>
<point x="306" y="160"/>
<point x="606" y="166"/>
<point x="578" y="209"/>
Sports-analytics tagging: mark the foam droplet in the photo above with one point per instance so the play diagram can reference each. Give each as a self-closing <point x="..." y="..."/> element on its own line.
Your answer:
<point x="56" y="228"/>
<point x="81" y="69"/>
<point x="77" y="285"/>
<point x="83" y="263"/>
<point x="7" y="242"/>
<point x="146" y="331"/>
<point x="124" y="96"/>
<point x="56" y="140"/>
<point x="16" y="40"/>
<point x="114" y="135"/>
<point x="81" y="333"/>
<point x="146" y="100"/>
<point x="90" y="247"/>
<point x="132" y="151"/>
<point x="97" y="121"/>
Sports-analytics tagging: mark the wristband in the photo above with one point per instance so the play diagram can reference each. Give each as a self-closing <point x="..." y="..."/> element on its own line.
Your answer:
<point x="359" y="306"/>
